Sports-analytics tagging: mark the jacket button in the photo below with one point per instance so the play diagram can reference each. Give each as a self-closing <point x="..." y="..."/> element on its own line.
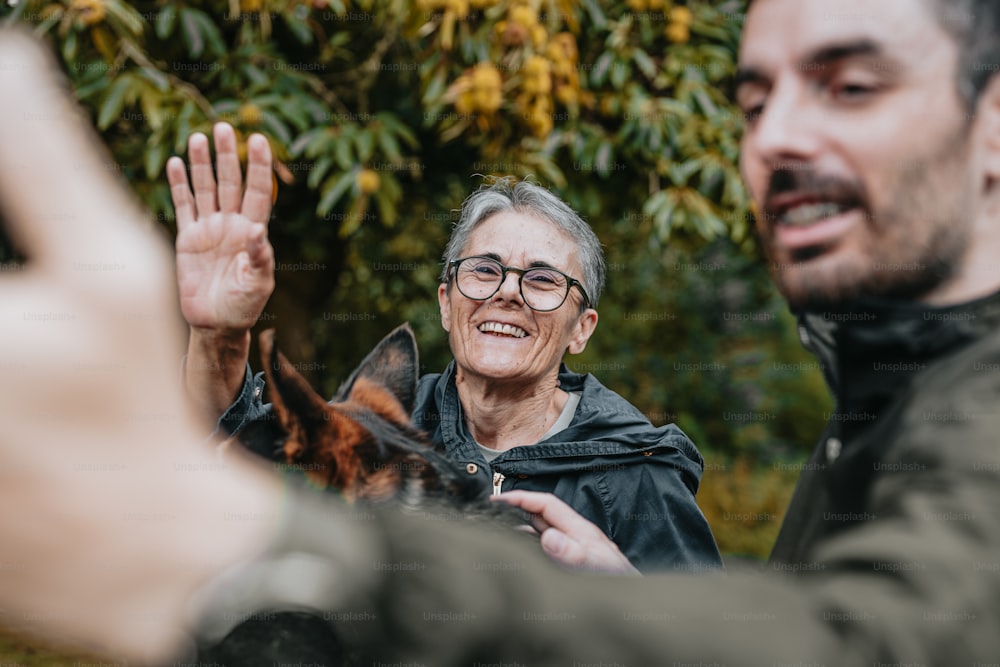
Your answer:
<point x="472" y="468"/>
<point x="522" y="477"/>
<point x="647" y="453"/>
<point x="833" y="447"/>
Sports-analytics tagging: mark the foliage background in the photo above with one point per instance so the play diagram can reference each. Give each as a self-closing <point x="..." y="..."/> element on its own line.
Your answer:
<point x="385" y="114"/>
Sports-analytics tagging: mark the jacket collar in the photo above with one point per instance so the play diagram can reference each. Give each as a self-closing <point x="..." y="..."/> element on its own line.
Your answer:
<point x="870" y="350"/>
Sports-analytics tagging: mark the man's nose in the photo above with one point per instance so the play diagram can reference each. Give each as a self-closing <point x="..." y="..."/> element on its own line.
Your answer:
<point x="788" y="130"/>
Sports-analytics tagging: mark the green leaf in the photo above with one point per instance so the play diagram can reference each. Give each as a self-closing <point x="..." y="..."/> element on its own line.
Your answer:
<point x="298" y="147"/>
<point x="342" y="151"/>
<point x="602" y="159"/>
<point x="155" y="157"/>
<point x="156" y="77"/>
<point x="276" y="128"/>
<point x="333" y="189"/>
<point x="389" y="145"/>
<point x="166" y="19"/>
<point x="226" y="107"/>
<point x="184" y="125"/>
<point x="126" y="16"/>
<point x="596" y="14"/>
<point x="256" y="76"/>
<point x="211" y="33"/>
<point x="620" y="73"/>
<point x="644" y="62"/>
<point x="192" y="31"/>
<point x="436" y="87"/>
<point x="69" y="47"/>
<point x="365" y="144"/>
<point x="602" y="65"/>
<point x="318" y="171"/>
<point x="386" y="207"/>
<point x="299" y="28"/>
<point x="114" y="101"/>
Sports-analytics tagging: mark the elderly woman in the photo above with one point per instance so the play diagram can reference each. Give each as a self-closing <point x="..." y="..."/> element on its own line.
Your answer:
<point x="521" y="280"/>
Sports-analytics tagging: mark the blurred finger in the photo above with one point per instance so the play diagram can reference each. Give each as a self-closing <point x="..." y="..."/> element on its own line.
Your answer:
<point x="201" y="174"/>
<point x="180" y="193"/>
<point x="228" y="162"/>
<point x="57" y="183"/>
<point x="259" y="195"/>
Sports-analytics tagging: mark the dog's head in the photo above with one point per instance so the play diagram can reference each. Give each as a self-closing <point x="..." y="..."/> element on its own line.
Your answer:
<point x="362" y="442"/>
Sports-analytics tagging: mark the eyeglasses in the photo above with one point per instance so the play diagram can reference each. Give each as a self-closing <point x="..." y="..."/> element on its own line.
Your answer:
<point x="543" y="288"/>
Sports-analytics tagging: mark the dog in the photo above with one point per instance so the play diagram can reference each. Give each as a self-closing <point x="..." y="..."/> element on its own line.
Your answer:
<point x="362" y="445"/>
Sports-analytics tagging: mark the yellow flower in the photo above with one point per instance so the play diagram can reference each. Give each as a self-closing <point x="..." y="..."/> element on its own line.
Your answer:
<point x="368" y="181"/>
<point x="249" y="115"/>
<point x="539" y="36"/>
<point x="460" y="8"/>
<point x="681" y="15"/>
<point x="567" y="95"/>
<point x="465" y="103"/>
<point x="523" y="16"/>
<point x="678" y="33"/>
<point x="637" y="5"/>
<point x="91" y="12"/>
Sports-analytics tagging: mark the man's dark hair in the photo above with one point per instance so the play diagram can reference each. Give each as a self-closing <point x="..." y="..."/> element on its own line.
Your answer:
<point x="975" y="27"/>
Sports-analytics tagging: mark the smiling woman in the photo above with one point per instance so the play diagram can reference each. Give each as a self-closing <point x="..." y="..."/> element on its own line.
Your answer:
<point x="522" y="277"/>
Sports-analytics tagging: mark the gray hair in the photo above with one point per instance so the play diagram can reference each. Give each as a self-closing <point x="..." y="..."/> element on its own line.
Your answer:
<point x="528" y="198"/>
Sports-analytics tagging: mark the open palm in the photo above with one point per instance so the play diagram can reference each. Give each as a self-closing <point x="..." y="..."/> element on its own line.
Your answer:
<point x="225" y="264"/>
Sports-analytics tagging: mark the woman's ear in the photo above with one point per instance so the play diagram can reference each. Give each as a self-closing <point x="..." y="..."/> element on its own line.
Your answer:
<point x="444" y="306"/>
<point x="585" y="326"/>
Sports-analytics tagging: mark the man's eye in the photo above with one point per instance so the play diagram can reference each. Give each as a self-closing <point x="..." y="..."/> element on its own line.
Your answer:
<point x="851" y="91"/>
<point x="752" y="114"/>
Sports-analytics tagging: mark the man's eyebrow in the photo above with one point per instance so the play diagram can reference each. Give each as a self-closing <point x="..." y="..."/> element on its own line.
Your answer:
<point x="861" y="48"/>
<point x="822" y="56"/>
<point x="745" y="75"/>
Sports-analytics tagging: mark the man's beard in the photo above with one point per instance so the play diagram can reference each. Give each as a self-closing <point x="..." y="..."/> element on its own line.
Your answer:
<point x="917" y="241"/>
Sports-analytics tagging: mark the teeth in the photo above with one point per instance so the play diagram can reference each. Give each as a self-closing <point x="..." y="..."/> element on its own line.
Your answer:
<point x="807" y="214"/>
<point x="505" y="329"/>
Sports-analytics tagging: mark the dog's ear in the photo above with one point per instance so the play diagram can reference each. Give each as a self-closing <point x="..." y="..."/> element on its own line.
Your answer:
<point x="300" y="410"/>
<point x="393" y="364"/>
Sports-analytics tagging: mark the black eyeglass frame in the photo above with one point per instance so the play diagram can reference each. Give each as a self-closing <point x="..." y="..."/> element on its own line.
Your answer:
<point x="571" y="282"/>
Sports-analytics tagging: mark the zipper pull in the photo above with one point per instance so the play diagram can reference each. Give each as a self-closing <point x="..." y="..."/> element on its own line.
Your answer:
<point x="497" y="482"/>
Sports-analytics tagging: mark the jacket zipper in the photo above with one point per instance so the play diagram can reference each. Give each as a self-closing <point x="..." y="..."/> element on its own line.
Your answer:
<point x="497" y="482"/>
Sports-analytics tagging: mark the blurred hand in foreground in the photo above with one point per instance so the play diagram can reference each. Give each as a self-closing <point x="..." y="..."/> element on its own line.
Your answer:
<point x="112" y="510"/>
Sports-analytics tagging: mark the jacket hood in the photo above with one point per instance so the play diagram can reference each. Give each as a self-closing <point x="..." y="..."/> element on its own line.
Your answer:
<point x="876" y="337"/>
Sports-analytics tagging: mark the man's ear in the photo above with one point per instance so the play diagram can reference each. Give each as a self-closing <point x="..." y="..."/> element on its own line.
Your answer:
<point x="582" y="332"/>
<point x="988" y="125"/>
<point x="444" y="306"/>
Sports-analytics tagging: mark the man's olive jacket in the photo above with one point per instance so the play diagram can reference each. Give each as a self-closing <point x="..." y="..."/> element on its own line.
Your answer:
<point x="889" y="554"/>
